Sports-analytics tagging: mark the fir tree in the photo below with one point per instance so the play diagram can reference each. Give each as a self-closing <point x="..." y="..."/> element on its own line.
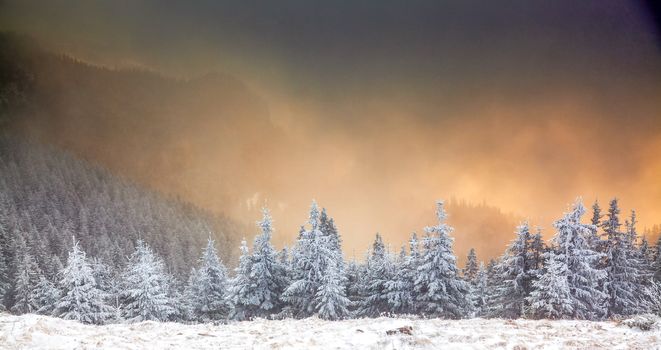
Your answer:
<point x="513" y="277"/>
<point x="45" y="296"/>
<point x="207" y="287"/>
<point x="551" y="297"/>
<point x="307" y="268"/>
<point x="593" y="239"/>
<point x="536" y="257"/>
<point x="268" y="275"/>
<point x="645" y="253"/>
<point x="470" y="271"/>
<point x="355" y="276"/>
<point x="479" y="291"/>
<point x="285" y="263"/>
<point x="400" y="290"/>
<point x="331" y="300"/>
<point x="328" y="229"/>
<point x="25" y="280"/>
<point x="439" y="289"/>
<point x="378" y="272"/>
<point x="5" y="249"/>
<point x="240" y="295"/>
<point x="624" y="290"/>
<point x="572" y="242"/>
<point x="146" y="289"/>
<point x="656" y="266"/>
<point x="81" y="299"/>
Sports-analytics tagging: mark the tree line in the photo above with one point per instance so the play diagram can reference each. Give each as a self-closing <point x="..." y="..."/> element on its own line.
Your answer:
<point x="592" y="271"/>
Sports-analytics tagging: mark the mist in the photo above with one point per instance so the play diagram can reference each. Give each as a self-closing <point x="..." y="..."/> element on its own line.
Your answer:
<point x="374" y="110"/>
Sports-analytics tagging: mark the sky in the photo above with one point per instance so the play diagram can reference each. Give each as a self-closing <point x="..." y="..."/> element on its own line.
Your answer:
<point x="382" y="107"/>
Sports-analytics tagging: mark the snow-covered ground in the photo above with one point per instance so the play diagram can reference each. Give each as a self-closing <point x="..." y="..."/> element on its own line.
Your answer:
<point x="40" y="332"/>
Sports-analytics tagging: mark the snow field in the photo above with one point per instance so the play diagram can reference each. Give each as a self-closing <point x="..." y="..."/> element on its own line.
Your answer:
<point x="41" y="332"/>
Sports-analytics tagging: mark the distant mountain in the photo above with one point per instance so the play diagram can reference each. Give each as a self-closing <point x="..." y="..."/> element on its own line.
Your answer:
<point x="159" y="131"/>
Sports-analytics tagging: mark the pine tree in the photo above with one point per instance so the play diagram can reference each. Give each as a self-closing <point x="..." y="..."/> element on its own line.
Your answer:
<point x="5" y="284"/>
<point x="551" y="297"/>
<point x="400" y="290"/>
<point x="656" y="266"/>
<point x="307" y="268"/>
<point x="239" y="295"/>
<point x="285" y="262"/>
<point x="645" y="252"/>
<point x="25" y="280"/>
<point x="207" y="287"/>
<point x="103" y="276"/>
<point x="328" y="229"/>
<point x="593" y="239"/>
<point x="572" y="242"/>
<point x="81" y="299"/>
<point x="513" y="277"/>
<point x="439" y="289"/>
<point x="470" y="271"/>
<point x="331" y="300"/>
<point x="355" y="276"/>
<point x="45" y="296"/>
<point x="146" y="288"/>
<point x="536" y="257"/>
<point x="378" y="272"/>
<point x="623" y="274"/>
<point x="639" y="262"/>
<point x="480" y="291"/>
<point x="267" y="274"/>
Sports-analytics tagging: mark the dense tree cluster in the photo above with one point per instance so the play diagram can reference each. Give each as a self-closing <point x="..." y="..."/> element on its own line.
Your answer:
<point x="125" y="263"/>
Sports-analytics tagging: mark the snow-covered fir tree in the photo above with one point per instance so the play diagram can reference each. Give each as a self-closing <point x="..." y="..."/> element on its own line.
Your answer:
<point x="400" y="289"/>
<point x="379" y="270"/>
<point x="285" y="263"/>
<point x="354" y="273"/>
<point x="26" y="277"/>
<point x="307" y="268"/>
<point x="440" y="290"/>
<point x="479" y="291"/>
<point x="239" y="294"/>
<point x="513" y="277"/>
<point x="206" y="291"/>
<point x="329" y="230"/>
<point x="639" y="263"/>
<point x="470" y="270"/>
<point x="656" y="265"/>
<point x="623" y="274"/>
<point x="331" y="300"/>
<point x="584" y="277"/>
<point x="268" y="274"/>
<point x="645" y="252"/>
<point x="551" y="297"/>
<point x="536" y="254"/>
<point x="103" y="275"/>
<point x="314" y="256"/>
<point x="5" y="250"/>
<point x="595" y="242"/>
<point x="146" y="290"/>
<point x="81" y="299"/>
<point x="45" y="296"/>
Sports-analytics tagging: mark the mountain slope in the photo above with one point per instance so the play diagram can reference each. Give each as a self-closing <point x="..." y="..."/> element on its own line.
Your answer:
<point x="161" y="132"/>
<point x="47" y="196"/>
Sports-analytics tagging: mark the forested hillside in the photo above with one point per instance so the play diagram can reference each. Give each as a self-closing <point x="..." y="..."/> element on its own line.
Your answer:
<point x="48" y="196"/>
<point x="161" y="132"/>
